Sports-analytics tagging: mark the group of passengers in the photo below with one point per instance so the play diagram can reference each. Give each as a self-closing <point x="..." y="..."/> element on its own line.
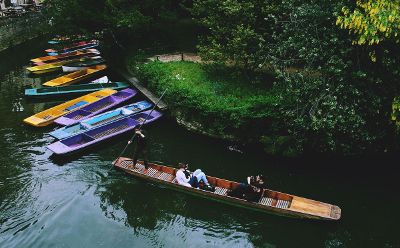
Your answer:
<point x="251" y="190"/>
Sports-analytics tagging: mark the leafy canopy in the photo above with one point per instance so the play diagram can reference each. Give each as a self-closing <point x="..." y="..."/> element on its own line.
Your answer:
<point x="372" y="21"/>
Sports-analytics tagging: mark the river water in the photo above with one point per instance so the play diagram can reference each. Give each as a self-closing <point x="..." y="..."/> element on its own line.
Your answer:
<point x="82" y="202"/>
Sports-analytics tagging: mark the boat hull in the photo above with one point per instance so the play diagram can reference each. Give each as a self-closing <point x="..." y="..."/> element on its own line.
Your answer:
<point x="48" y="116"/>
<point x="100" y="120"/>
<point x="97" y="135"/>
<point x="72" y="90"/>
<point x="126" y="165"/>
<point x="96" y="107"/>
<point x="77" y="76"/>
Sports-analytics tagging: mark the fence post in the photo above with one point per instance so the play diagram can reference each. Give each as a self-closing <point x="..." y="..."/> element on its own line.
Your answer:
<point x="181" y="56"/>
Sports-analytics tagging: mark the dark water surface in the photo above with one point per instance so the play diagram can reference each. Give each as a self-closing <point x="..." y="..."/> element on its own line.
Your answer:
<point x="82" y="202"/>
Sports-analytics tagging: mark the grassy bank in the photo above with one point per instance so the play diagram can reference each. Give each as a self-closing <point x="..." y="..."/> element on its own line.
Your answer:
<point x="215" y="99"/>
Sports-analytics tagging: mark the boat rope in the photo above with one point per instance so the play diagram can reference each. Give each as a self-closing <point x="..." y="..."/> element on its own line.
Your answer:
<point x="140" y="126"/>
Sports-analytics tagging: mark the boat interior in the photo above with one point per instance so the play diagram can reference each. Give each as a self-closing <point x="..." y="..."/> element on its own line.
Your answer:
<point x="269" y="198"/>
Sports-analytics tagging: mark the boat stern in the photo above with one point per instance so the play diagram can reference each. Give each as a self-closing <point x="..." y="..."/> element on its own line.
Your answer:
<point x="58" y="148"/>
<point x="36" y="121"/>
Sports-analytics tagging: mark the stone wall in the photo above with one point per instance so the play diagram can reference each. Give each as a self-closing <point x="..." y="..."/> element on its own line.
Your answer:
<point x="16" y="30"/>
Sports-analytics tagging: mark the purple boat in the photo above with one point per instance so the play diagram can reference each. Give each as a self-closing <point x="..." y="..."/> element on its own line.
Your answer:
<point x="94" y="136"/>
<point x="96" y="107"/>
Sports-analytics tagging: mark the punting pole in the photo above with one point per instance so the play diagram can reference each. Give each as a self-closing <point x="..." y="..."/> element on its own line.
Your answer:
<point x="140" y="126"/>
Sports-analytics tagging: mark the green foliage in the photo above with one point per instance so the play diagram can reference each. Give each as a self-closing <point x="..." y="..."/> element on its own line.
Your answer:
<point x="223" y="104"/>
<point x="123" y="15"/>
<point x="332" y="96"/>
<point x="236" y="31"/>
<point x="372" y="21"/>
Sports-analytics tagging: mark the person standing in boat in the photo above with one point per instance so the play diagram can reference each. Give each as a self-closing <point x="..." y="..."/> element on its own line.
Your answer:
<point x="140" y="146"/>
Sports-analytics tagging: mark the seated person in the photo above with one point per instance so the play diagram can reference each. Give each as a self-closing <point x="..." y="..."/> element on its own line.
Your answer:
<point x="195" y="179"/>
<point x="251" y="190"/>
<point x="257" y="181"/>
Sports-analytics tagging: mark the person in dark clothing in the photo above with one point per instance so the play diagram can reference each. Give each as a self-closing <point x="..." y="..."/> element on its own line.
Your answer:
<point x="251" y="190"/>
<point x="140" y="143"/>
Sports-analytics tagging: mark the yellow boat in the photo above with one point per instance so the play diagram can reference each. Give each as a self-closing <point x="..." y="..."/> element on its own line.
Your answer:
<point x="47" y="117"/>
<point x="76" y="76"/>
<point x="40" y="69"/>
<point x="71" y="55"/>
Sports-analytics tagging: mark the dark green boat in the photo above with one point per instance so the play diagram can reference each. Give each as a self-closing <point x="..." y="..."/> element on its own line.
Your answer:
<point x="72" y="89"/>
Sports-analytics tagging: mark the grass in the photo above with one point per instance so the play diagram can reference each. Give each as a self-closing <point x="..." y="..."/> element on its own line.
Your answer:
<point x="221" y="98"/>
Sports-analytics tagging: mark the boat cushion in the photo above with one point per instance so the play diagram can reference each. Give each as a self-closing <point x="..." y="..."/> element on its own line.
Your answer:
<point x="76" y="105"/>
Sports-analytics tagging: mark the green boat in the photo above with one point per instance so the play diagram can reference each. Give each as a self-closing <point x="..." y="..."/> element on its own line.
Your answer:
<point x="72" y="89"/>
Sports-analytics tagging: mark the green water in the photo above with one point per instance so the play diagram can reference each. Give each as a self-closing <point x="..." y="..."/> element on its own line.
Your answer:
<point x="82" y="202"/>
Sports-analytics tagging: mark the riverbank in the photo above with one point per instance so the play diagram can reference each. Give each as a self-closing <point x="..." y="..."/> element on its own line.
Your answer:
<point x="15" y="31"/>
<point x="218" y="101"/>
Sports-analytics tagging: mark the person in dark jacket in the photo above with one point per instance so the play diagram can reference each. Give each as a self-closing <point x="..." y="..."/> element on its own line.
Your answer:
<point x="251" y="190"/>
<point x="140" y="146"/>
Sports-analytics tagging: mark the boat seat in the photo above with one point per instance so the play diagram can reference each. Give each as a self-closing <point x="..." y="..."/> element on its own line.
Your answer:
<point x="138" y="168"/>
<point x="165" y="176"/>
<point x="282" y="204"/>
<point x="221" y="191"/>
<point x="151" y="172"/>
<point x="266" y="201"/>
<point x="126" y="163"/>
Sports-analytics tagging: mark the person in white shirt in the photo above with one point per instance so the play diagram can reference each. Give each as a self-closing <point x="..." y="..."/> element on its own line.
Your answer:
<point x="184" y="177"/>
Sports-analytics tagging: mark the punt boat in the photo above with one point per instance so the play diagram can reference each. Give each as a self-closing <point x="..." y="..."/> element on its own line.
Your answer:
<point x="100" y="120"/>
<point x="78" y="46"/>
<point x="80" y="65"/>
<point x="94" y="136"/>
<point x="70" y="90"/>
<point x="65" y="56"/>
<point x="77" y="76"/>
<point x="47" y="117"/>
<point x="50" y="67"/>
<point x="270" y="202"/>
<point x="97" y="107"/>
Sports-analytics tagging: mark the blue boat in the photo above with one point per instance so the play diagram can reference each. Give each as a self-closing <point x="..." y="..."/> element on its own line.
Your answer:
<point x="100" y="120"/>
<point x="77" y="89"/>
<point x="99" y="134"/>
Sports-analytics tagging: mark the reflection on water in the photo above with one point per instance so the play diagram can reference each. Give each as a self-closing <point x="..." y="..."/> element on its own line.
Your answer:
<point x="81" y="201"/>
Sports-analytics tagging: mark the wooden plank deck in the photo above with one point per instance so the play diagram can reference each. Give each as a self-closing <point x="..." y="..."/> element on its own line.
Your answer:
<point x="135" y="82"/>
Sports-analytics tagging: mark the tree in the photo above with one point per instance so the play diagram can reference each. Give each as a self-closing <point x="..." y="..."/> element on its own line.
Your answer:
<point x="372" y="21"/>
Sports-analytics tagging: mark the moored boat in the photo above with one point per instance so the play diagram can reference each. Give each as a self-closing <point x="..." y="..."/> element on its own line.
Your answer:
<point x="50" y="67"/>
<point x="77" y="76"/>
<point x="77" y="46"/>
<point x="48" y="116"/>
<point x="100" y="120"/>
<point x="270" y="201"/>
<point x="95" y="108"/>
<point x="72" y="89"/>
<point x="94" y="136"/>
<point x="80" y="65"/>
<point x="65" y="56"/>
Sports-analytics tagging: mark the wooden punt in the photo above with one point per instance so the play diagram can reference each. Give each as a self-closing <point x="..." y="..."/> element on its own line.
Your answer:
<point x="48" y="116"/>
<point x="96" y="108"/>
<point x="76" y="76"/>
<point x="72" y="90"/>
<point x="101" y="133"/>
<point x="271" y="201"/>
<point x="75" y="47"/>
<point x="50" y="67"/>
<point x="100" y="120"/>
<point x="65" y="56"/>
